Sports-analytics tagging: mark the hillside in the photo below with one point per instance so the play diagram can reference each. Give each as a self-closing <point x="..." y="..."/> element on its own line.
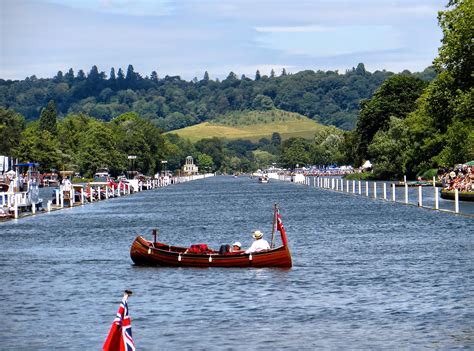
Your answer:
<point x="253" y="125"/>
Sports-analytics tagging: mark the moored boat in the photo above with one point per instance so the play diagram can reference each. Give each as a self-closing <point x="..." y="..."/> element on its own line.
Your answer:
<point x="463" y="195"/>
<point x="153" y="253"/>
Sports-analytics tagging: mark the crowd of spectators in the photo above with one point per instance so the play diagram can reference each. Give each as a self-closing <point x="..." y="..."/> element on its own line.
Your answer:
<point x="461" y="177"/>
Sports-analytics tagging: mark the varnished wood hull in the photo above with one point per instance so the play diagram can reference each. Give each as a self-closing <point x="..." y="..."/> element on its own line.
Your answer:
<point x="142" y="252"/>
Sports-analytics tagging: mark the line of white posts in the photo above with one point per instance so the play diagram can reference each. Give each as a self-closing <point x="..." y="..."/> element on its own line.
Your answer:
<point x="62" y="195"/>
<point x="357" y="186"/>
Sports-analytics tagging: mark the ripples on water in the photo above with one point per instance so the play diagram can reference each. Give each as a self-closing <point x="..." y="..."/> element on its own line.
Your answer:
<point x="367" y="274"/>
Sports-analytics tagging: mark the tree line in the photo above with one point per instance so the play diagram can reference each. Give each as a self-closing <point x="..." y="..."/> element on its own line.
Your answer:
<point x="170" y="103"/>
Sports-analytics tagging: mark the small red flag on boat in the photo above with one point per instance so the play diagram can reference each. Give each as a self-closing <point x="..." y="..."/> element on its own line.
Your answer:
<point x="280" y="228"/>
<point x="120" y="334"/>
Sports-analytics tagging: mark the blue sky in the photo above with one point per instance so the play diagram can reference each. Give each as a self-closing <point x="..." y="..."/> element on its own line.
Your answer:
<point x="188" y="37"/>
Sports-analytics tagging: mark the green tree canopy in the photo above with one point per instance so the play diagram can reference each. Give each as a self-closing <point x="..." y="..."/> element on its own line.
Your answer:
<point x="48" y="118"/>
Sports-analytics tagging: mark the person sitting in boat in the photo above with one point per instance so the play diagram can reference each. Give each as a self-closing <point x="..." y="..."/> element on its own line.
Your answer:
<point x="259" y="244"/>
<point x="236" y="247"/>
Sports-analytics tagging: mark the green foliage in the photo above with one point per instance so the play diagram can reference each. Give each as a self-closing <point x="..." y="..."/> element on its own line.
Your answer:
<point x="440" y="130"/>
<point x="205" y="162"/>
<point x="11" y="126"/>
<point x="295" y="151"/>
<point x="456" y="52"/>
<point x="39" y="146"/>
<point x="48" y="118"/>
<point x="385" y="150"/>
<point x="396" y="97"/>
<point x="170" y="102"/>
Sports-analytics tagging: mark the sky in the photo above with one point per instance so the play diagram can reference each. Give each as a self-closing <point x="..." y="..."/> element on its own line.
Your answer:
<point x="189" y="37"/>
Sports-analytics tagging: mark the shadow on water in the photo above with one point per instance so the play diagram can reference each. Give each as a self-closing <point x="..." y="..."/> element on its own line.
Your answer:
<point x="367" y="274"/>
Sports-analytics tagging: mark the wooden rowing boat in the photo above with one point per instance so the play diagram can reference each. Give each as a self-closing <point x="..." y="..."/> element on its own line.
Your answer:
<point x="153" y="253"/>
<point x="463" y="195"/>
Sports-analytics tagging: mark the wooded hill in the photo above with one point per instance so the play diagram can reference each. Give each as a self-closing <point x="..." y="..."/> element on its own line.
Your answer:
<point x="329" y="98"/>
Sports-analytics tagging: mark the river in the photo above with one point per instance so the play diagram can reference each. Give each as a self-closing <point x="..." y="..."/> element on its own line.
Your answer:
<point x="367" y="274"/>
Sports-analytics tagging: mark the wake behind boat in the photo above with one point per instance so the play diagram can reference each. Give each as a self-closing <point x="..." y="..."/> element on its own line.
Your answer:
<point x="153" y="253"/>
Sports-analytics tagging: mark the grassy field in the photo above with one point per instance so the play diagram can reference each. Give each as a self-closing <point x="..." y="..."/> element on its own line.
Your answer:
<point x="253" y="125"/>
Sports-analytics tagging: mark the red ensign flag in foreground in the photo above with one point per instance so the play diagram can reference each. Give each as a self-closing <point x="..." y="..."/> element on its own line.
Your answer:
<point x="280" y="228"/>
<point x="120" y="334"/>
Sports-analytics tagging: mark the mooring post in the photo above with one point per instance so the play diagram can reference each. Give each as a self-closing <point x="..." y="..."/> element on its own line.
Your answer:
<point x="406" y="192"/>
<point x="91" y="192"/>
<point x="337" y="184"/>
<point x="57" y="197"/>
<point x="436" y="194"/>
<point x="385" y="191"/>
<point x="62" y="197"/>
<point x="360" y="187"/>
<point x="128" y="187"/>
<point x="15" y="208"/>
<point x="375" y="190"/>
<point x="107" y="192"/>
<point x="456" y="200"/>
<point x="33" y="208"/>
<point x="353" y="186"/>
<point x="434" y="181"/>
<point x="72" y="197"/>
<point x="420" y="196"/>
<point x="393" y="192"/>
<point x="367" y="189"/>
<point x="48" y="206"/>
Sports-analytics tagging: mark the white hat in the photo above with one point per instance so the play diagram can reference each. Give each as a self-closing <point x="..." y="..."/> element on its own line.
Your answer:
<point x="257" y="234"/>
<point x="237" y="243"/>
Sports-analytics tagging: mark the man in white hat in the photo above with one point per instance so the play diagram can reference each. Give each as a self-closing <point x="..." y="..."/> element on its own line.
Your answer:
<point x="259" y="244"/>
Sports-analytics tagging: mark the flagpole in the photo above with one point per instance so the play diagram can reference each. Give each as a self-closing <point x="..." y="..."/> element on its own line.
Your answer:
<point x="273" y="226"/>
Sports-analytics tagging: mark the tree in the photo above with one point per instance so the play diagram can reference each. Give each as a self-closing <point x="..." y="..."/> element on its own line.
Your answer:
<point x="276" y="139"/>
<point x="81" y="75"/>
<point x="206" y="77"/>
<point x="257" y="75"/>
<point x="69" y="76"/>
<point x="262" y="103"/>
<point x="295" y="151"/>
<point x="386" y="150"/>
<point x="154" y="77"/>
<point x="39" y="146"/>
<point x="48" y="118"/>
<point x="112" y="76"/>
<point x="395" y="97"/>
<point x="11" y="126"/>
<point x="456" y="52"/>
<point x="205" y="162"/>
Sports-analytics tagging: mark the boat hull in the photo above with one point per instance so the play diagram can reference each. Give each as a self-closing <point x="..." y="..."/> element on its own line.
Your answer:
<point x="146" y="253"/>
<point x="463" y="195"/>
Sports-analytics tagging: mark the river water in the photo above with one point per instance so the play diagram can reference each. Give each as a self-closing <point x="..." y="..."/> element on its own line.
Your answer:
<point x="367" y="274"/>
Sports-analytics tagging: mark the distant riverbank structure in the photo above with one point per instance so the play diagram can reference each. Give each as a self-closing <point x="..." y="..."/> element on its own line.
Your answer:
<point x="189" y="167"/>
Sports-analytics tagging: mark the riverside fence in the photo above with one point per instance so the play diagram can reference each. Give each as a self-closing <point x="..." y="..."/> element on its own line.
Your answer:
<point x="427" y="197"/>
<point x="19" y="204"/>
